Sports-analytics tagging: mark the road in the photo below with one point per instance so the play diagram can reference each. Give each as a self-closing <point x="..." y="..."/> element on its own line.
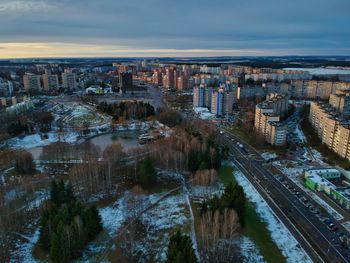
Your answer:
<point x="321" y="244"/>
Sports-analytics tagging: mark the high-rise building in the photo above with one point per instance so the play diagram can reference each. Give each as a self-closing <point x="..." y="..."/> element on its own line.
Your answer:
<point x="267" y="118"/>
<point x="202" y="96"/>
<point x="168" y="79"/>
<point x="31" y="82"/>
<point x="182" y="82"/>
<point x="69" y="80"/>
<point x="50" y="81"/>
<point x="222" y="101"/>
<point x="340" y="103"/>
<point x="125" y="81"/>
<point x="157" y="77"/>
<point x="198" y="96"/>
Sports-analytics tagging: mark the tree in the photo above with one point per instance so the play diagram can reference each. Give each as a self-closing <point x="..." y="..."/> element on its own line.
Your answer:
<point x="170" y="118"/>
<point x="146" y="173"/>
<point x="217" y="235"/>
<point x="180" y="249"/>
<point x="92" y="221"/>
<point x="24" y="163"/>
<point x="66" y="225"/>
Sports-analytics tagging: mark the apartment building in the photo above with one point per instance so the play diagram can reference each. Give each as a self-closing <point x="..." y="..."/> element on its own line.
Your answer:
<point x="69" y="80"/>
<point x="340" y="103"/>
<point x="222" y="101"/>
<point x="31" y="82"/>
<point x="331" y="128"/>
<point x="50" y="82"/>
<point x="267" y="118"/>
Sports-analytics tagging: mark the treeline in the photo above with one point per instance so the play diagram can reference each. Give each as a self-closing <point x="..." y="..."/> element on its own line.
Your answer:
<point x="170" y="118"/>
<point x="21" y="160"/>
<point x="26" y="123"/>
<point x="136" y="110"/>
<point x="192" y="146"/>
<point x="64" y="151"/>
<point x="66" y="226"/>
<point x="110" y="172"/>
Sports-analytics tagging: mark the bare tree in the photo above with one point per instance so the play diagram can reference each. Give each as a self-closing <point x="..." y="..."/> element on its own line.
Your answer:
<point x="217" y="236"/>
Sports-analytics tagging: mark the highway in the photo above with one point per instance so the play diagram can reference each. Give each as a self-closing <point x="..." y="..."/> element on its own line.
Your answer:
<point x="320" y="243"/>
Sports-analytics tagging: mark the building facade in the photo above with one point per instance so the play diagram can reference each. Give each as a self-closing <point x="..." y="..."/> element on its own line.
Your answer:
<point x="31" y="82"/>
<point x="69" y="81"/>
<point x="267" y="118"/>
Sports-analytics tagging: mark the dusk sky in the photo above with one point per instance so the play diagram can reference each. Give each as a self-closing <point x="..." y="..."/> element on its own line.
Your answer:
<point x="115" y="28"/>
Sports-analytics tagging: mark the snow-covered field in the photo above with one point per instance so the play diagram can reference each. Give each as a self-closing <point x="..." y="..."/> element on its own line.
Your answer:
<point x="288" y="245"/>
<point x="159" y="222"/>
<point x="170" y="214"/>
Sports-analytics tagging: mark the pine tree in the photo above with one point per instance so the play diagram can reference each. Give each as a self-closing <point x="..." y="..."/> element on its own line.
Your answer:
<point x="54" y="193"/>
<point x="55" y="250"/>
<point x="180" y="249"/>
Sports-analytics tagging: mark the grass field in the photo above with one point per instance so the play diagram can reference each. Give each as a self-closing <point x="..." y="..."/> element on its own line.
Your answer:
<point x="255" y="228"/>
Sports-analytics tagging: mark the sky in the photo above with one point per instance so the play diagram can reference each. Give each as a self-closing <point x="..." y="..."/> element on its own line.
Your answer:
<point x="148" y="28"/>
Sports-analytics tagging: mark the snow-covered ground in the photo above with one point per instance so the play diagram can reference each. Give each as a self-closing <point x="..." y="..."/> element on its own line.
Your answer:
<point x="204" y="113"/>
<point x="170" y="214"/>
<point x="35" y="140"/>
<point x="300" y="134"/>
<point x="23" y="251"/>
<point x="113" y="217"/>
<point x="285" y="241"/>
<point x="249" y="251"/>
<point x="323" y="71"/>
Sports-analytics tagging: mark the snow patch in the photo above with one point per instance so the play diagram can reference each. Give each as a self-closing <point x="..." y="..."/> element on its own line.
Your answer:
<point x="249" y="251"/>
<point x="23" y="252"/>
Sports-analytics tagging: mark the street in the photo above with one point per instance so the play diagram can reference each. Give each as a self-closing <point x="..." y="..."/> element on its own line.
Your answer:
<point x="318" y="241"/>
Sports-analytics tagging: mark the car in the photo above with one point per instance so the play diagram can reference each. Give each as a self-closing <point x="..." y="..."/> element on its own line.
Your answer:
<point x="327" y="221"/>
<point x="334" y="228"/>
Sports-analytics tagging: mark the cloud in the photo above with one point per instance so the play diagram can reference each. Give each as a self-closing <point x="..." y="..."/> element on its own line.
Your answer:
<point x="300" y="26"/>
<point x="20" y="6"/>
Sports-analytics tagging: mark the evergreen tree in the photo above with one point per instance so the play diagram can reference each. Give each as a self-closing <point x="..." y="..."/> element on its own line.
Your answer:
<point x="146" y="172"/>
<point x="180" y="249"/>
<point x="92" y="221"/>
<point x="66" y="225"/>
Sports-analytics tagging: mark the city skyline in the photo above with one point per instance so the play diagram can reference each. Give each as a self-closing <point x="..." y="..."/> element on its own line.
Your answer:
<point x="45" y="28"/>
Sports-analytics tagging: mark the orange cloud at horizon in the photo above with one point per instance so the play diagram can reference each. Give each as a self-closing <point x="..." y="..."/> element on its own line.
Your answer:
<point x="56" y="50"/>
